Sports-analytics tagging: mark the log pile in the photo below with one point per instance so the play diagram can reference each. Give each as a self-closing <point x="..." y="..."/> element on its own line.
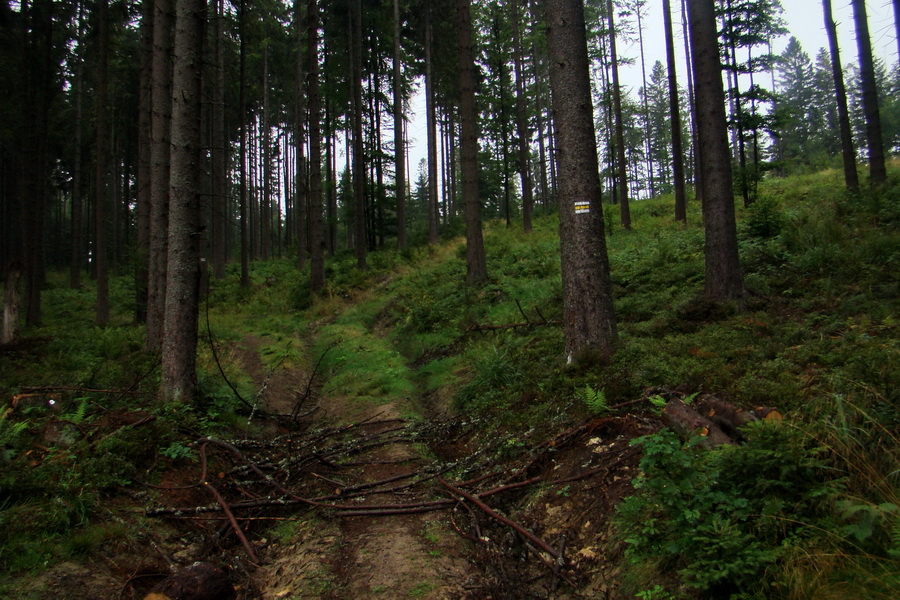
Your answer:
<point x="717" y="421"/>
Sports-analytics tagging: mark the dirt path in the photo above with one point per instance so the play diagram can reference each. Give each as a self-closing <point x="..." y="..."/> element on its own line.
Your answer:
<point x="399" y="556"/>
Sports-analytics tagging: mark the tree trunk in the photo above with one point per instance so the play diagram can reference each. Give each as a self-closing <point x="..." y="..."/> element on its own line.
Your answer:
<point x="242" y="116"/>
<point x="723" y="269"/>
<point x="877" y="171"/>
<point x="399" y="148"/>
<point x="144" y="173"/>
<point x="359" y="163"/>
<point x="650" y="172"/>
<point x="695" y="145"/>
<point x="588" y="320"/>
<point x="896" y="4"/>
<point x="219" y="200"/>
<point x="476" y="265"/>
<point x="687" y="422"/>
<point x="848" y="150"/>
<point x="432" y="134"/>
<point x="621" y="164"/>
<point x="76" y="259"/>
<point x="101" y="166"/>
<point x="300" y="107"/>
<point x="179" y="356"/>
<point x="161" y="99"/>
<point x="10" y="330"/>
<point x="316" y="241"/>
<point x="675" y="118"/>
<point x="522" y="129"/>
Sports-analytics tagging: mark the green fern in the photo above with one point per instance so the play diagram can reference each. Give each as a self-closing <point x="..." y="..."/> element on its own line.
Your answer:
<point x="595" y="400"/>
<point x="80" y="413"/>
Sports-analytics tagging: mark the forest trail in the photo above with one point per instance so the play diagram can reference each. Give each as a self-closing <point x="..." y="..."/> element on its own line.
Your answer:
<point x="397" y="556"/>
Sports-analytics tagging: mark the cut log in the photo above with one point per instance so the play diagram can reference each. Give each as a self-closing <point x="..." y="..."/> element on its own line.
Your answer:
<point x="767" y="413"/>
<point x="688" y="422"/>
<point x="724" y="414"/>
<point x="200" y="581"/>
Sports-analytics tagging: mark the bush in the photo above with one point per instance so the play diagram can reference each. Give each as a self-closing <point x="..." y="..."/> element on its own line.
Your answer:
<point x="721" y="518"/>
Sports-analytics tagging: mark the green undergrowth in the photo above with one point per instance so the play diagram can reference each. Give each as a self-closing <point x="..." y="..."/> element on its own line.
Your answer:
<point x="816" y="338"/>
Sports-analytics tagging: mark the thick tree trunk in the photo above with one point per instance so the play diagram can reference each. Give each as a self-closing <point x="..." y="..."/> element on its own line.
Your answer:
<point x="588" y="320"/>
<point x="399" y="147"/>
<point x="877" y="171"/>
<point x="621" y="164"/>
<point x="848" y="150"/>
<point x="161" y="90"/>
<point x="675" y="118"/>
<point x="723" y="270"/>
<point x="179" y="353"/>
<point x="101" y="166"/>
<point x="476" y="264"/>
<point x="316" y="241"/>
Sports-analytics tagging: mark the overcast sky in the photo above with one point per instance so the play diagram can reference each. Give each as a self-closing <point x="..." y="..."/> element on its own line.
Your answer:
<point x="804" y="19"/>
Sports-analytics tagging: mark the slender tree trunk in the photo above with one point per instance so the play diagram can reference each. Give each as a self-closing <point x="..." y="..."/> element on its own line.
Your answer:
<point x="242" y="115"/>
<point x="143" y="201"/>
<point x="877" y="170"/>
<point x="76" y="260"/>
<point x="621" y="164"/>
<point x="161" y="99"/>
<point x="848" y="150"/>
<point x="675" y="118"/>
<point x="359" y="164"/>
<point x="101" y="166"/>
<point x="265" y="155"/>
<point x="432" y="134"/>
<point x="522" y="129"/>
<point x="399" y="148"/>
<point x="317" y="246"/>
<point x="588" y="320"/>
<point x="219" y="199"/>
<point x="896" y="4"/>
<point x="300" y="108"/>
<point x="476" y="265"/>
<point x="646" y="109"/>
<point x="723" y="270"/>
<point x="179" y="352"/>
<point x="695" y="145"/>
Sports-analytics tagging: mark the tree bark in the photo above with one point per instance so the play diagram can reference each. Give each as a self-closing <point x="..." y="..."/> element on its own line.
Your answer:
<point x="10" y="328"/>
<point x="359" y="164"/>
<point x="431" y="130"/>
<point x="219" y="200"/>
<point x="300" y="108"/>
<point x="399" y="147"/>
<point x="179" y="352"/>
<point x="161" y="99"/>
<point x="588" y="320"/>
<point x="675" y="118"/>
<point x="723" y="270"/>
<point x="476" y="264"/>
<point x="242" y="116"/>
<point x="144" y="172"/>
<point x="621" y="164"/>
<point x="101" y="166"/>
<point x="316" y="238"/>
<point x="848" y="150"/>
<point x="877" y="170"/>
<point x="76" y="258"/>
<point x="687" y="422"/>
<point x="522" y="128"/>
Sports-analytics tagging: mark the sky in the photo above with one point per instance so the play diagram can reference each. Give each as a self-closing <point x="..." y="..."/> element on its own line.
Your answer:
<point x="804" y="19"/>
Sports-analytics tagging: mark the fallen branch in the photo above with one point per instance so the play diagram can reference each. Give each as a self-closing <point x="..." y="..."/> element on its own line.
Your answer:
<point x="495" y="515"/>
<point x="37" y="390"/>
